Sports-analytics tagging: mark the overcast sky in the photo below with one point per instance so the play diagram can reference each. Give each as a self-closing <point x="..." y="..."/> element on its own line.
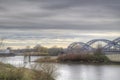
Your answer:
<point x="58" y="22"/>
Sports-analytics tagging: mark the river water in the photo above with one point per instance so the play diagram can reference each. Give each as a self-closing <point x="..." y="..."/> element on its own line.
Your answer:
<point x="74" y="71"/>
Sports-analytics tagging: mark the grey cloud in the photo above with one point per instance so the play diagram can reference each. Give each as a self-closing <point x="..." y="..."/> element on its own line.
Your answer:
<point x="60" y="14"/>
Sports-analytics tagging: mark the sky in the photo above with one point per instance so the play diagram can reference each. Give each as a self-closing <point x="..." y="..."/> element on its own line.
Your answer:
<point x="58" y="22"/>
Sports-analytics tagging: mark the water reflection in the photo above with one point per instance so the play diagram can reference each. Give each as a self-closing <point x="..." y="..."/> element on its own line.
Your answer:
<point x="17" y="61"/>
<point x="89" y="72"/>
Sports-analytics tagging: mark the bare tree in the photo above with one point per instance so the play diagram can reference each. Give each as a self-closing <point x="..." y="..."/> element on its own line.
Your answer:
<point x="98" y="50"/>
<point x="1" y="43"/>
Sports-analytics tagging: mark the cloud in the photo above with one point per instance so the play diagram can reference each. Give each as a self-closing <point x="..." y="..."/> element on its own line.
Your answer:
<point x="60" y="14"/>
<point x="58" y="22"/>
<point x="49" y="38"/>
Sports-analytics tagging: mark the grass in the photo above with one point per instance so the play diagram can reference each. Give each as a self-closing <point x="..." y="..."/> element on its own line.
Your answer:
<point x="77" y="57"/>
<point x="9" y="72"/>
<point x="47" y="59"/>
<point x="96" y="56"/>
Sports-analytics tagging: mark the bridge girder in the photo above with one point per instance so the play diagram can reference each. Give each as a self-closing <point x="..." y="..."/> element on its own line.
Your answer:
<point x="87" y="46"/>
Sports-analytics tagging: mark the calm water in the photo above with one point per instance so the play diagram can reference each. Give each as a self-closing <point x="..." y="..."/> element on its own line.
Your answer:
<point x="75" y="71"/>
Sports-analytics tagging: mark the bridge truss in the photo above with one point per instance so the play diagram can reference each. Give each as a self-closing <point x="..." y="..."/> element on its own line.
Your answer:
<point x="110" y="46"/>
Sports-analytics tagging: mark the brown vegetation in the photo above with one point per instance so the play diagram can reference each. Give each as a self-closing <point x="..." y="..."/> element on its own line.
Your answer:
<point x="87" y="58"/>
<point x="8" y="72"/>
<point x="47" y="59"/>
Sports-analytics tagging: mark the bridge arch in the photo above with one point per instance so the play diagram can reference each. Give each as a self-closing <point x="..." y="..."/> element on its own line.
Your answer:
<point x="115" y="45"/>
<point x="80" y="45"/>
<point x="109" y="46"/>
<point x="96" y="40"/>
<point x="117" y="39"/>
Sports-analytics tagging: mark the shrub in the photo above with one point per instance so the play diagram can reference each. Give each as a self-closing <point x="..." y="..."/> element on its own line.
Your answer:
<point x="83" y="58"/>
<point x="54" y="51"/>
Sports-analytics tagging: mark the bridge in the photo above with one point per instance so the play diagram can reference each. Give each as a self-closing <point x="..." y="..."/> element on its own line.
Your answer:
<point x="110" y="48"/>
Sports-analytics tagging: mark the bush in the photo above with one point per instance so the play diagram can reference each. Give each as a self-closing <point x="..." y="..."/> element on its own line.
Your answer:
<point x="54" y="51"/>
<point x="83" y="58"/>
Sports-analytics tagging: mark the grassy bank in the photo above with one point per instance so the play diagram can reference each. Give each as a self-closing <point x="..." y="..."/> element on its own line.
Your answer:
<point x="48" y="59"/>
<point x="96" y="56"/>
<point x="82" y="58"/>
<point x="9" y="72"/>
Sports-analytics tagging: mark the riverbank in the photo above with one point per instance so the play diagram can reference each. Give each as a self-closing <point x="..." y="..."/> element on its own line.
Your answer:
<point x="9" y="72"/>
<point x="76" y="58"/>
<point x="52" y="59"/>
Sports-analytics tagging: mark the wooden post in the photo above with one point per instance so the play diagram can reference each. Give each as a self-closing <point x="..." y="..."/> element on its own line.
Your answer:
<point x="29" y="57"/>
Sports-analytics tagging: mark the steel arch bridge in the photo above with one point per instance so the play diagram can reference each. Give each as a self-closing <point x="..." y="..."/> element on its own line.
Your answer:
<point x="82" y="46"/>
<point x="110" y="46"/>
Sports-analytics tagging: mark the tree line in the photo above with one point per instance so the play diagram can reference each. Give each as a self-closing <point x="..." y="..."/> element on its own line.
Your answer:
<point x="38" y="49"/>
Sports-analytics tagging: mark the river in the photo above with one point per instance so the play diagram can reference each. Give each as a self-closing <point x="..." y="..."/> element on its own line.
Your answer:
<point x="74" y="71"/>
